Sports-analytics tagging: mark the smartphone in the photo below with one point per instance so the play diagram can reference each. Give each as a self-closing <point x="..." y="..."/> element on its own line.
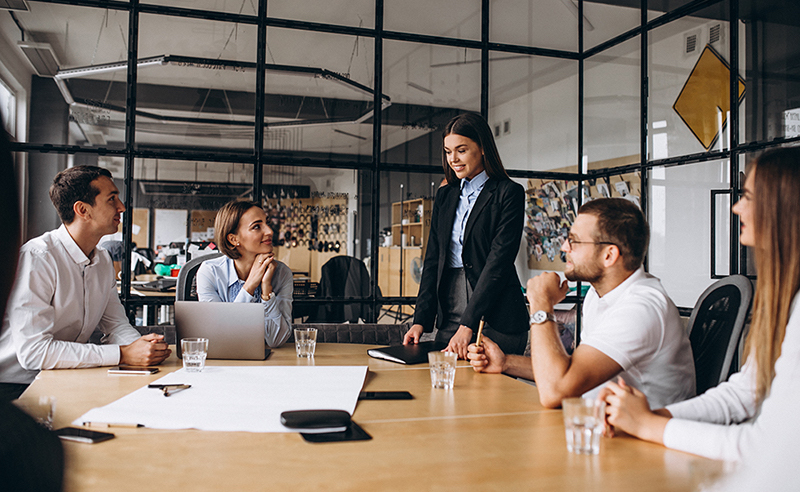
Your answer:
<point x="385" y="395"/>
<point x="83" y="435"/>
<point x="133" y="370"/>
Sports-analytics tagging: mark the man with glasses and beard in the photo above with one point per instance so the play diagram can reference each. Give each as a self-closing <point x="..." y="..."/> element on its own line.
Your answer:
<point x="630" y="329"/>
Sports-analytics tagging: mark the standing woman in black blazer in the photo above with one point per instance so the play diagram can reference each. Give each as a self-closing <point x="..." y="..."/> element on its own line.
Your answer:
<point x="475" y="233"/>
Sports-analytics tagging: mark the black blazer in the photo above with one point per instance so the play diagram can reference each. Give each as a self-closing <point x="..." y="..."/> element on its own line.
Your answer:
<point x="491" y="242"/>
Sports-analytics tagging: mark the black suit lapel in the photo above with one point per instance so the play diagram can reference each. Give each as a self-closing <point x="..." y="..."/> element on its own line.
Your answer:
<point x="483" y="199"/>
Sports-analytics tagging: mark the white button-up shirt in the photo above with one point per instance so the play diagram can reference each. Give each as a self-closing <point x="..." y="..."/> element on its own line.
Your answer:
<point x="60" y="297"/>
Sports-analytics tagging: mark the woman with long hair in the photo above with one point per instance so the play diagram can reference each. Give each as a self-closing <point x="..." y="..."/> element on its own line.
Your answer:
<point x="475" y="233"/>
<point x="769" y="212"/>
<point x="248" y="271"/>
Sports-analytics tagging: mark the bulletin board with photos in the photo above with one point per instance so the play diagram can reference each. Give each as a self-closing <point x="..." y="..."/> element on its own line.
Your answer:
<point x="551" y="207"/>
<point x="202" y="225"/>
<point x="307" y="232"/>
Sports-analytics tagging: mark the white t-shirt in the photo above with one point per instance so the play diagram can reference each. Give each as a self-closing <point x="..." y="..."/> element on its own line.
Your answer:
<point x="639" y="327"/>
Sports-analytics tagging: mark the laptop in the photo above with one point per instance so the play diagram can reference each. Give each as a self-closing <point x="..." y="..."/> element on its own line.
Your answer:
<point x="161" y="285"/>
<point x="235" y="330"/>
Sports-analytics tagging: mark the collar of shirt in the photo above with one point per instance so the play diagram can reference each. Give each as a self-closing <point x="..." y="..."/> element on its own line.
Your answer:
<point x="233" y="277"/>
<point x="619" y="290"/>
<point x="469" y="187"/>
<point x="72" y="247"/>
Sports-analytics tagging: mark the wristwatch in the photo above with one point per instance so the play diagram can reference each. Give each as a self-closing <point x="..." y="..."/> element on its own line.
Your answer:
<point x="540" y="317"/>
<point x="269" y="297"/>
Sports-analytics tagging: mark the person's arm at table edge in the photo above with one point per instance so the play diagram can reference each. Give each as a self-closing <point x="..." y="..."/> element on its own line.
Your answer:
<point x="558" y="375"/>
<point x="518" y="366"/>
<point x="278" y="311"/>
<point x="134" y="349"/>
<point x="489" y="358"/>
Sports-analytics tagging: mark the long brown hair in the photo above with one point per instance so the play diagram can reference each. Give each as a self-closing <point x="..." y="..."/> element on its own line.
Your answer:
<point x="475" y="128"/>
<point x="777" y="252"/>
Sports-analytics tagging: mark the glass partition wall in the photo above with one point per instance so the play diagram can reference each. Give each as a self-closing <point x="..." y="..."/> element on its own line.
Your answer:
<point x="331" y="117"/>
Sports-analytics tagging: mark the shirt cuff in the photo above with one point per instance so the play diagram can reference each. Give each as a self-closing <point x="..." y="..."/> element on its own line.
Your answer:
<point x="243" y="296"/>
<point x="110" y="355"/>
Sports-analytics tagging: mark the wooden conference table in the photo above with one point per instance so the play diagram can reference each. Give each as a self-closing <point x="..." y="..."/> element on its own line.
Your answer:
<point x="489" y="432"/>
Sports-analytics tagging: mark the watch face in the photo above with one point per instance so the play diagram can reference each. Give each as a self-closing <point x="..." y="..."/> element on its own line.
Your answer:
<point x="540" y="317"/>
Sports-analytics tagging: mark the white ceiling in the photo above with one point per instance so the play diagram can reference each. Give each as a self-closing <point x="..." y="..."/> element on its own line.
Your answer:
<point x="417" y="74"/>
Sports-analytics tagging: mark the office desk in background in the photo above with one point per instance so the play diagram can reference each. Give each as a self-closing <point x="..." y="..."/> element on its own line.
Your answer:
<point x="488" y="432"/>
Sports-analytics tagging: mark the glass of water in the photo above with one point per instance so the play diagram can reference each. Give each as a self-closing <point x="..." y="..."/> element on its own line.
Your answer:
<point x="305" y="341"/>
<point x="583" y="424"/>
<point x="194" y="352"/>
<point x="443" y="369"/>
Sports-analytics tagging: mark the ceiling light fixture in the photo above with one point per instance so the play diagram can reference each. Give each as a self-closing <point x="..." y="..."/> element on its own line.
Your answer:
<point x="21" y="5"/>
<point x="41" y="57"/>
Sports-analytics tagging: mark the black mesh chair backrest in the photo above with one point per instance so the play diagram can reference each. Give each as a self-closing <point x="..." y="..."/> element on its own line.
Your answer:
<point x="368" y="333"/>
<point x="715" y="328"/>
<point x="186" y="290"/>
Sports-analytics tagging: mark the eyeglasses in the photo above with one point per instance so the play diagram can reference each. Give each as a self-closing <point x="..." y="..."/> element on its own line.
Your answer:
<point x="573" y="242"/>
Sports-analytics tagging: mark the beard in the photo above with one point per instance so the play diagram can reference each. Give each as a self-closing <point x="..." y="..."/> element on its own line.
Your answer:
<point x="590" y="272"/>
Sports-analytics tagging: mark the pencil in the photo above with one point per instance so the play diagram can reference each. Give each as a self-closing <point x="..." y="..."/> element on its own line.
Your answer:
<point x="480" y="333"/>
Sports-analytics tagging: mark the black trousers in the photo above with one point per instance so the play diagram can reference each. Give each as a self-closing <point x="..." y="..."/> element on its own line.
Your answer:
<point x="457" y="292"/>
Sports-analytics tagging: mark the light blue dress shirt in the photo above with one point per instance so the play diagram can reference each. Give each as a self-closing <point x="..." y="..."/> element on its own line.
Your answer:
<point x="470" y="189"/>
<point x="217" y="281"/>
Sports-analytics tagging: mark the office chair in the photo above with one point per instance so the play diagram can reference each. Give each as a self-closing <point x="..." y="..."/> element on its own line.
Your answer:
<point x="186" y="289"/>
<point x="366" y="333"/>
<point x="715" y="329"/>
<point x="342" y="277"/>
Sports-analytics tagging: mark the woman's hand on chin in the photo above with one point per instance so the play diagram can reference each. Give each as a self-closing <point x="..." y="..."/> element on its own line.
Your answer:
<point x="254" y="279"/>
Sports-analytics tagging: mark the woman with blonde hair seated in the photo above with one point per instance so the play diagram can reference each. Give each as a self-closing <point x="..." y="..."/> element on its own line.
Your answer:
<point x="758" y="398"/>
<point x="248" y="271"/>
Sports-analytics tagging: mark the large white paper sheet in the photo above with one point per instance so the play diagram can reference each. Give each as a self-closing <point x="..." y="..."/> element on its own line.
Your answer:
<point x="248" y="399"/>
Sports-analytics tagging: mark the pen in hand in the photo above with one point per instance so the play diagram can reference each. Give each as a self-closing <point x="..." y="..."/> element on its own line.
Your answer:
<point x="478" y="340"/>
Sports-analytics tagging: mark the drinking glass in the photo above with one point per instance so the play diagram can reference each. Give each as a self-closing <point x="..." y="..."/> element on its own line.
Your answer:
<point x="583" y="424"/>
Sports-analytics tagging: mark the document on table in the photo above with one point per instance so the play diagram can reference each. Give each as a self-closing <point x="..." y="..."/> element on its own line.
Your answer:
<point x="248" y="399"/>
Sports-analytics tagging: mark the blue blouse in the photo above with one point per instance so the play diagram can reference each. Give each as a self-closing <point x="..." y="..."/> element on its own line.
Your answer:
<point x="217" y="281"/>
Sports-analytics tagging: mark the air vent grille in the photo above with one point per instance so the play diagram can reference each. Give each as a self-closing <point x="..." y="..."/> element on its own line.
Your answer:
<point x="691" y="44"/>
<point x="715" y="33"/>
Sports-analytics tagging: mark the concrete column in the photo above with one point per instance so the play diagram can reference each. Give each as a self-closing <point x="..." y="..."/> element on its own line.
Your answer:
<point x="49" y="124"/>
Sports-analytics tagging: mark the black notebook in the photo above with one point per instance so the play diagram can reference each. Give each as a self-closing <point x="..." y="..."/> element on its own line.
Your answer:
<point x="406" y="354"/>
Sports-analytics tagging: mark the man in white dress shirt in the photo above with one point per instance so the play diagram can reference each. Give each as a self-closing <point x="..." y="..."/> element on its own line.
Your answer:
<point x="65" y="288"/>
<point x="631" y="328"/>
